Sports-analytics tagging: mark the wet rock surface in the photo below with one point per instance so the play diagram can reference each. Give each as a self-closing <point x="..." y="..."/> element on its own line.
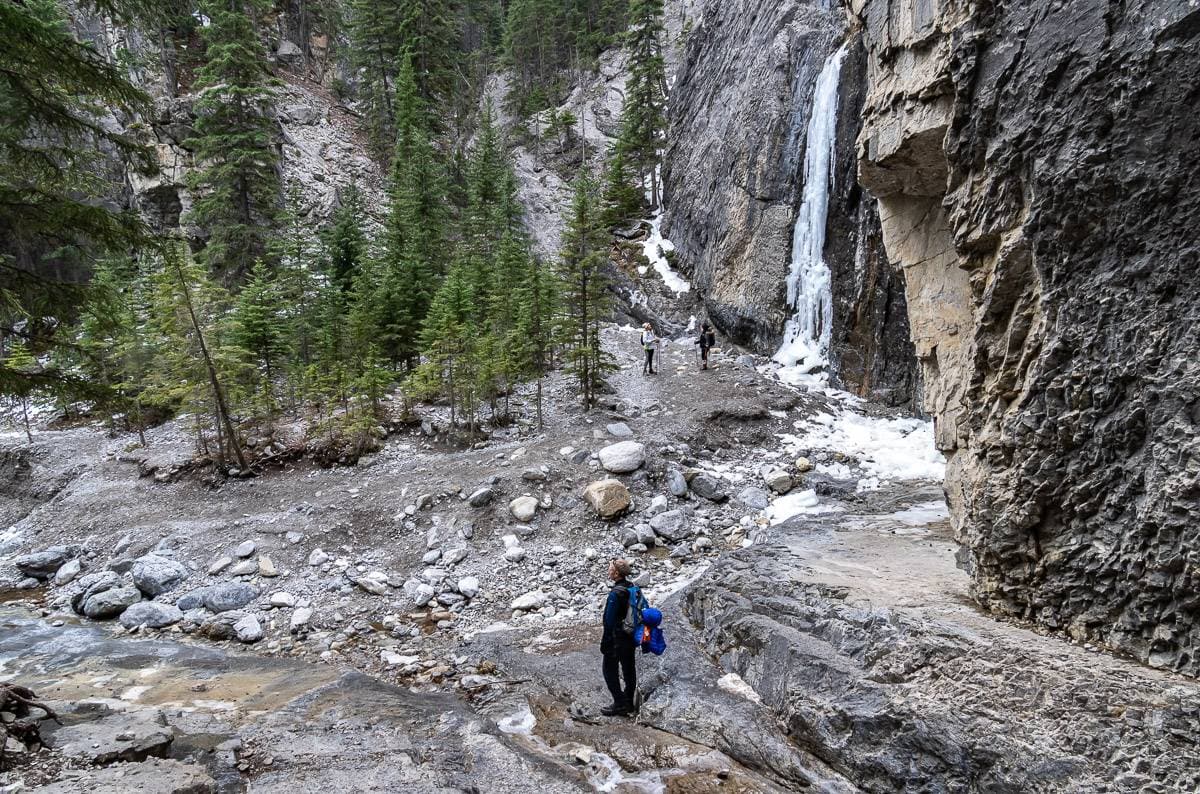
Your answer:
<point x="858" y="634"/>
<point x="1046" y="236"/>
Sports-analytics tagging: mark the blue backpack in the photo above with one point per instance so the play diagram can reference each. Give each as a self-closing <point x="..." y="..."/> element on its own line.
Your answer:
<point x="652" y="639"/>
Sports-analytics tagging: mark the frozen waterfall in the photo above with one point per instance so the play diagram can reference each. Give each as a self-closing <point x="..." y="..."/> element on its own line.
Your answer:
<point x="806" y="337"/>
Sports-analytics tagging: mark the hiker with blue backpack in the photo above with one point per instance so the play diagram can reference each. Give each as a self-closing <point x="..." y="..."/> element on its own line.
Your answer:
<point x="629" y="623"/>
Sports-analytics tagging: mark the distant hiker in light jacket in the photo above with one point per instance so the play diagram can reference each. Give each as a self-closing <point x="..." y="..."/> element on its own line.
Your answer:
<point x="707" y="341"/>
<point x="649" y="344"/>
<point x="617" y="647"/>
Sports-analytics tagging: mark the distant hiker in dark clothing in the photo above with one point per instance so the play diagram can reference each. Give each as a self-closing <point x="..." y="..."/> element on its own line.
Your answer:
<point x="617" y="646"/>
<point x="707" y="341"/>
<point x="649" y="344"/>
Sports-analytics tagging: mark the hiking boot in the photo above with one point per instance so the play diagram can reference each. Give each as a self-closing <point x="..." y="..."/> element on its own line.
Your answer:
<point x="616" y="710"/>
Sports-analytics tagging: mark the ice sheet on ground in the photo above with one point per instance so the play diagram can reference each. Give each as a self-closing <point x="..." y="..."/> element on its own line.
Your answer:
<point x="795" y="504"/>
<point x="605" y="774"/>
<point x="886" y="449"/>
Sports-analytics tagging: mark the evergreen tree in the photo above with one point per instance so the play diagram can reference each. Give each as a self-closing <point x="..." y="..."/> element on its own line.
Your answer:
<point x="259" y="331"/>
<point x="415" y="233"/>
<point x="537" y="305"/>
<point x="193" y="370"/>
<point x="386" y="33"/>
<point x="115" y="352"/>
<point x="55" y="92"/>
<point x="345" y="242"/>
<point x="450" y="344"/>
<point x="643" y="117"/>
<point x="621" y="198"/>
<point x="238" y="179"/>
<point x="585" y="295"/>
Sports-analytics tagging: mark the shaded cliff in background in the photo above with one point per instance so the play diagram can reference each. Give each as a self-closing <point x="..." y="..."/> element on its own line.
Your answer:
<point x="733" y="179"/>
<point x="1037" y="174"/>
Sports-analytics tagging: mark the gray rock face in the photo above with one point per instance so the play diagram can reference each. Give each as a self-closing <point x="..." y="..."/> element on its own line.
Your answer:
<point x="859" y="686"/>
<point x="160" y="775"/>
<point x="1049" y="246"/>
<point x="152" y="614"/>
<point x="155" y="575"/>
<point x="733" y="179"/>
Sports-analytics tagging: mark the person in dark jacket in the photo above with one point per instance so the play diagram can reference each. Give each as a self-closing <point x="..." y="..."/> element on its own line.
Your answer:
<point x="707" y="341"/>
<point x="616" y="646"/>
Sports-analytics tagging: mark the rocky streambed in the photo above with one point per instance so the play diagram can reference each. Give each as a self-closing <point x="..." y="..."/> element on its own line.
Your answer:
<point x="427" y="619"/>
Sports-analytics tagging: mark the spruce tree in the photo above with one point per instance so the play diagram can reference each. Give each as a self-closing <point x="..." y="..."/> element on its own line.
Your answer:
<point x="55" y="92"/>
<point x="237" y="182"/>
<point x="643" y="117"/>
<point x="345" y="242"/>
<point x="585" y="294"/>
<point x="415" y="234"/>
<point x="621" y="198"/>
<point x="259" y="331"/>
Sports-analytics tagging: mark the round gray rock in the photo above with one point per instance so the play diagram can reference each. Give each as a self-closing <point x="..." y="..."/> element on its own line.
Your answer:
<point x="155" y="575"/>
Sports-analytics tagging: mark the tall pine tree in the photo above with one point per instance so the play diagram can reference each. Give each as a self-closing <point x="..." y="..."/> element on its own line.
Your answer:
<point x="238" y="177"/>
<point x="643" y="117"/>
<point x="586" y="302"/>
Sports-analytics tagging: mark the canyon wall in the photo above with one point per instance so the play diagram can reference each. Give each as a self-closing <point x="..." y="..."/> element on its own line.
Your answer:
<point x="1036" y="171"/>
<point x="733" y="180"/>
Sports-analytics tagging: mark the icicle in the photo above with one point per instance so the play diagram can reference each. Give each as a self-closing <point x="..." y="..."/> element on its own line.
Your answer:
<point x="806" y="337"/>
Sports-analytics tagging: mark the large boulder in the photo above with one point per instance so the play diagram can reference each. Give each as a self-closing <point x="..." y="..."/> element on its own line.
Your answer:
<point x="155" y="575"/>
<point x="523" y="508"/>
<point x="121" y="736"/>
<point x="673" y="525"/>
<point x="534" y="599"/>
<point x="677" y="483"/>
<point x="151" y="614"/>
<point x="110" y="602"/>
<point x="481" y="497"/>
<point x="43" y="564"/>
<point x="222" y="597"/>
<point x="609" y="498"/>
<point x="623" y="457"/>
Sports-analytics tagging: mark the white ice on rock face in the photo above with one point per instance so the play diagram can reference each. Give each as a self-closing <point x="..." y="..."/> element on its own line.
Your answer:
<point x="806" y="337"/>
<point x="656" y="247"/>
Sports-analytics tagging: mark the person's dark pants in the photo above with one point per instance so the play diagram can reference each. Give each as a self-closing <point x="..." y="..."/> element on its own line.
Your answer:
<point x="649" y="365"/>
<point x="704" y="355"/>
<point x="621" y="659"/>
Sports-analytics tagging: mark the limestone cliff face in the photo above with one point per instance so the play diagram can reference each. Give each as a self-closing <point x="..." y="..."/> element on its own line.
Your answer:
<point x="322" y="151"/>
<point x="1036" y="171"/>
<point x="733" y="179"/>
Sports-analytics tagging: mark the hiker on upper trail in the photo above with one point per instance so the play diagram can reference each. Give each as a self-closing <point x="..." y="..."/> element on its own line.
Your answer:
<point x="617" y="645"/>
<point x="707" y="341"/>
<point x="650" y="345"/>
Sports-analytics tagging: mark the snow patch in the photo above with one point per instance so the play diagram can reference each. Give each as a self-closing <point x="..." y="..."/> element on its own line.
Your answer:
<point x="736" y="685"/>
<point x="795" y="504"/>
<point x="886" y="449"/>
<point x="521" y="722"/>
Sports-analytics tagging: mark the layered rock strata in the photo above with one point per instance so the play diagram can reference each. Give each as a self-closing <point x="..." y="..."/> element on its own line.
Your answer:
<point x="733" y="181"/>
<point x="1036" y="170"/>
